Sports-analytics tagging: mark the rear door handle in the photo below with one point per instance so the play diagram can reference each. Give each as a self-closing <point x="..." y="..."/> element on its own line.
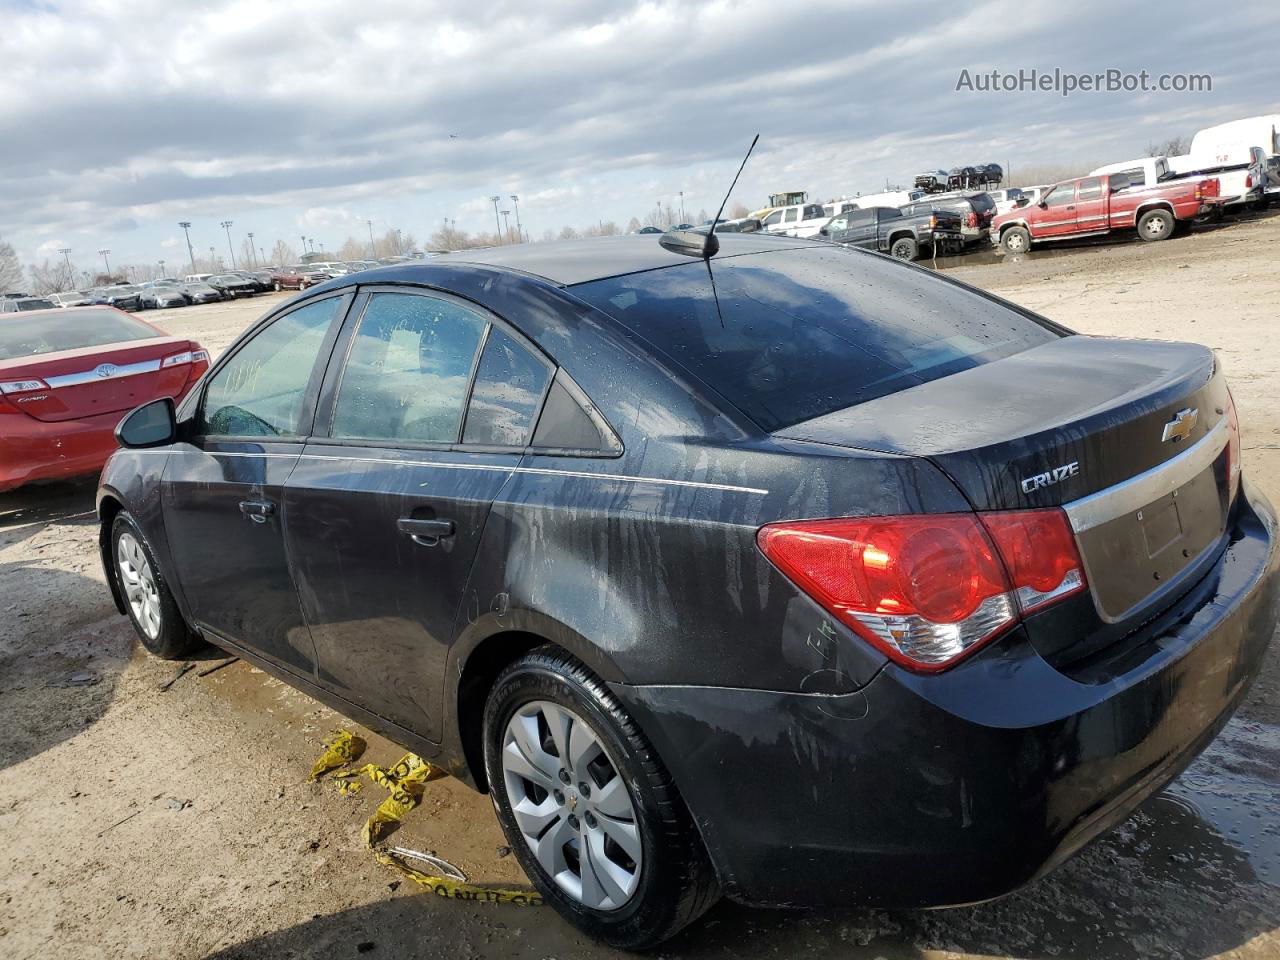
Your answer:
<point x="257" y="510"/>
<point x="425" y="533"/>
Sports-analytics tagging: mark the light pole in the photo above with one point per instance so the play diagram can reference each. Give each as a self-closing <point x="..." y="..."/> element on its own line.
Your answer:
<point x="264" y="255"/>
<point x="66" y="256"/>
<point x="682" y="220"/>
<point x="496" y="222"/>
<point x="186" y="229"/>
<point x="106" y="263"/>
<point x="304" y="246"/>
<point x="506" y="218"/>
<point x="213" y="258"/>
<point x="252" y="252"/>
<point x="161" y="268"/>
<point x="373" y="248"/>
<point x="515" y="202"/>
<point x="226" y="225"/>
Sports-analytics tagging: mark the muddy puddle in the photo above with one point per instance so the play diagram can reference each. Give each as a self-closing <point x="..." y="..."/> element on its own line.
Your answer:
<point x="1233" y="788"/>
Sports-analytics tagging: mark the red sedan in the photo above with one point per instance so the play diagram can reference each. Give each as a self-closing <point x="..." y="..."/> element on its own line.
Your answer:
<point x="68" y="376"/>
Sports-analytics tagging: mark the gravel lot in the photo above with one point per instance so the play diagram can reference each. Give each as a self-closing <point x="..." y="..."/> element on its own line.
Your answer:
<point x="142" y="823"/>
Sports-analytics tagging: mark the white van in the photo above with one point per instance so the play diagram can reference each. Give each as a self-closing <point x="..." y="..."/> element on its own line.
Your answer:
<point x="196" y="277"/>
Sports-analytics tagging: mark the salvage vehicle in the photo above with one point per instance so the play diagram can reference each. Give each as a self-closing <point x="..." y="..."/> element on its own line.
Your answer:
<point x="800" y="220"/>
<point x="200" y="293"/>
<point x="889" y="230"/>
<point x="1241" y="172"/>
<point x="25" y="304"/>
<point x="627" y="531"/>
<point x="122" y="296"/>
<point x="159" y="296"/>
<point x="976" y="211"/>
<point x="67" y="376"/>
<point x="1092" y="206"/>
<point x="231" y="285"/>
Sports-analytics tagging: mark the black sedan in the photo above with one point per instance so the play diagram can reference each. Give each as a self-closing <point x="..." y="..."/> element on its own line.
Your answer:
<point x="797" y="573"/>
<point x="201" y="293"/>
<point x="232" y="285"/>
<point x="122" y="296"/>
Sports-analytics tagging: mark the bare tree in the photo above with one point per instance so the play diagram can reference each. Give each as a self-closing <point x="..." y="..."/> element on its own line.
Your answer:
<point x="282" y="255"/>
<point x="738" y="211"/>
<point x="1173" y="147"/>
<point x="703" y="216"/>
<point x="10" y="268"/>
<point x="634" y="224"/>
<point x="568" y="233"/>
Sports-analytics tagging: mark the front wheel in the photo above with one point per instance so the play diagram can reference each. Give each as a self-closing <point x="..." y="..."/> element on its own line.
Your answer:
<point x="588" y="807"/>
<point x="1156" y="225"/>
<point x="148" y="600"/>
<point x="1016" y="240"/>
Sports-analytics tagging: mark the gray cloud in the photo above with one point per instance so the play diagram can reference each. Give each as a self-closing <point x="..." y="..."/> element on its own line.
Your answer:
<point x="113" y="117"/>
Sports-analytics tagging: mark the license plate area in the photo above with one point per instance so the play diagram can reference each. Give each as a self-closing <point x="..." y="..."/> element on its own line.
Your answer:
<point x="1144" y="552"/>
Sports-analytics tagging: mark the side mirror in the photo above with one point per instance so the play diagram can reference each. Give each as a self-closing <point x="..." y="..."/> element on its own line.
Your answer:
<point x="1022" y="201"/>
<point x="153" y="424"/>
<point x="1043" y="205"/>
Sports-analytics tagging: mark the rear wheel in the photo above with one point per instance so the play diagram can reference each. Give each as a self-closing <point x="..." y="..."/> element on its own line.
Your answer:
<point x="1156" y="225"/>
<point x="904" y="248"/>
<point x="148" y="600"/>
<point x="1016" y="240"/>
<point x="588" y="807"/>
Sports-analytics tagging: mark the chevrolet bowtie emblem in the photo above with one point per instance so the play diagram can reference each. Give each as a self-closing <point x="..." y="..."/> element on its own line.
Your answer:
<point x="1180" y="427"/>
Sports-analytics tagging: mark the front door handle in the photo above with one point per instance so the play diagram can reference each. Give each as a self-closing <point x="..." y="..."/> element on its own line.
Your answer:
<point x="257" y="510"/>
<point x="425" y="533"/>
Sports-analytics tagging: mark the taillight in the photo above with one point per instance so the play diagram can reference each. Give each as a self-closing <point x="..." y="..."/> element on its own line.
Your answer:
<point x="929" y="590"/>
<point x="23" y="386"/>
<point x="1233" y="449"/>
<point x="972" y="219"/>
<point x="1248" y="181"/>
<point x="176" y="359"/>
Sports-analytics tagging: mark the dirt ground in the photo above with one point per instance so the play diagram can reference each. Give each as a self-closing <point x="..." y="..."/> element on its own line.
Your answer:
<point x="136" y="822"/>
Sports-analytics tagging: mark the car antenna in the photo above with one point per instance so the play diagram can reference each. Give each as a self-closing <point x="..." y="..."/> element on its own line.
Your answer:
<point x="694" y="243"/>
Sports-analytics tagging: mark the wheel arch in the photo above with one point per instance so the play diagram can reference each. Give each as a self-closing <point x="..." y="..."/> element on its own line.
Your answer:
<point x="1149" y="205"/>
<point x="110" y="505"/>
<point x="902" y="235"/>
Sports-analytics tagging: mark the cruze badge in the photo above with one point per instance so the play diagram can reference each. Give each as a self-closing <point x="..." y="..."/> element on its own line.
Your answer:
<point x="1179" y="428"/>
<point x="1048" y="479"/>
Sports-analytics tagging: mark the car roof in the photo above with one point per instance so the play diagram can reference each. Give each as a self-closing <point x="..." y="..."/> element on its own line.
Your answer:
<point x="569" y="262"/>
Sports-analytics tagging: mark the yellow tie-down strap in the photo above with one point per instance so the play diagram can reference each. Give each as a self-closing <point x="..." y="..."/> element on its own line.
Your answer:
<point x="405" y="783"/>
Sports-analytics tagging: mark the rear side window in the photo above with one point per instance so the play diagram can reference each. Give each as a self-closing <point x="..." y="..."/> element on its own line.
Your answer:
<point x="408" y="369"/>
<point x="1090" y="189"/>
<point x="509" y="385"/>
<point x="798" y="334"/>
<point x="261" y="390"/>
<point x="72" y="330"/>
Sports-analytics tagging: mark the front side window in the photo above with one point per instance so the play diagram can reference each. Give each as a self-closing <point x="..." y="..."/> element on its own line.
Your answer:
<point x="260" y="392"/>
<point x="772" y="218"/>
<point x="509" y="385"/>
<point x="407" y="373"/>
<point x="1061" y="195"/>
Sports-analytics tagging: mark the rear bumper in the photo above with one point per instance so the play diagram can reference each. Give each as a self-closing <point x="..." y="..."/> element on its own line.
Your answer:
<point x="941" y="790"/>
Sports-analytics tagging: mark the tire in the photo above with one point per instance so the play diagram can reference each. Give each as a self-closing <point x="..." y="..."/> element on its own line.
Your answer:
<point x="149" y="602"/>
<point x="904" y="248"/>
<point x="278" y="286"/>
<point x="1156" y="225"/>
<point x="644" y="900"/>
<point x="1016" y="240"/>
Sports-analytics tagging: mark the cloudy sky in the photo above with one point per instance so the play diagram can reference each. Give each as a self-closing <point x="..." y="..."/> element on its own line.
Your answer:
<point x="118" y="118"/>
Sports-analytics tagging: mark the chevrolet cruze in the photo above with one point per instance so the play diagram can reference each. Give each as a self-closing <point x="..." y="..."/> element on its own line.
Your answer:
<point x="792" y="573"/>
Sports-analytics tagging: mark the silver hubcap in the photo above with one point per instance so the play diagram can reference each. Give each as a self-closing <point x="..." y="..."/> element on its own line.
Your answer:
<point x="139" y="584"/>
<point x="571" y="804"/>
<point x="1156" y="226"/>
<point x="1014" y="242"/>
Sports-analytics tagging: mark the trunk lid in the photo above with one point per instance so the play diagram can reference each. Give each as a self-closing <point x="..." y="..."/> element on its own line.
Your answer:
<point x="91" y="381"/>
<point x="1128" y="435"/>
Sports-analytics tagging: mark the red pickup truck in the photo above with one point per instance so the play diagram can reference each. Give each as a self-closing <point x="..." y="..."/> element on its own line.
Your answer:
<point x="1090" y="206"/>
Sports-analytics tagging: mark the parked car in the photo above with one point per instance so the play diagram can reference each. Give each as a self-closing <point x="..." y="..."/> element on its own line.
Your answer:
<point x="261" y="281"/>
<point x="161" y="296"/>
<point x="889" y="230"/>
<point x="1005" y="199"/>
<point x="797" y="220"/>
<point x="68" y="375"/>
<point x="298" y="277"/>
<point x="122" y="296"/>
<point x="74" y="298"/>
<point x="1240" y="171"/>
<point x="942" y="588"/>
<point x="23" y="304"/>
<point x="231" y="285"/>
<point x="976" y="211"/>
<point x="201" y="293"/>
<point x="196" y="277"/>
<point x="1092" y="206"/>
<point x="646" y="230"/>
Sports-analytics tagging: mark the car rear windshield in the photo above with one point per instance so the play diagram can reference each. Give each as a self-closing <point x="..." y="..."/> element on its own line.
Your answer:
<point x="791" y="335"/>
<point x="68" y="330"/>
